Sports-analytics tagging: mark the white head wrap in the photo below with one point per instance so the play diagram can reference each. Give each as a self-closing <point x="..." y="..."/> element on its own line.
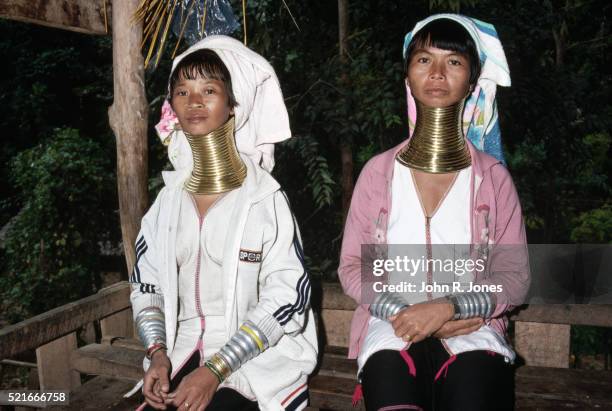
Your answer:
<point x="480" y="118"/>
<point x="261" y="116"/>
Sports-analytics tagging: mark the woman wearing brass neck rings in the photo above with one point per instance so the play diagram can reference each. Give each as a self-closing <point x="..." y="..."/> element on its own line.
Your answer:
<point x="220" y="294"/>
<point x="434" y="347"/>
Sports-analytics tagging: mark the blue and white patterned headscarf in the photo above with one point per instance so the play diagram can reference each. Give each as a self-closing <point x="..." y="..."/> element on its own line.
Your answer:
<point x="480" y="119"/>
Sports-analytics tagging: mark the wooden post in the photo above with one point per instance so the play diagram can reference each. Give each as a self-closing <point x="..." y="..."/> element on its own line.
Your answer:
<point x="53" y="361"/>
<point x="543" y="345"/>
<point x="128" y="118"/>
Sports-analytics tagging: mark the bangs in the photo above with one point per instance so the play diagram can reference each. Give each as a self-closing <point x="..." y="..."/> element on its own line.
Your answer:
<point x="444" y="34"/>
<point x="199" y="69"/>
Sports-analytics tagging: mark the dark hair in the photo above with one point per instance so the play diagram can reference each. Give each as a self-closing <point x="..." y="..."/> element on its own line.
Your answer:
<point x="447" y="34"/>
<point x="207" y="64"/>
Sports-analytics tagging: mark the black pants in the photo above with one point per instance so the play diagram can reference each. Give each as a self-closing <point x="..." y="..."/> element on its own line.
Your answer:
<point x="224" y="399"/>
<point x="429" y="379"/>
<point x="227" y="399"/>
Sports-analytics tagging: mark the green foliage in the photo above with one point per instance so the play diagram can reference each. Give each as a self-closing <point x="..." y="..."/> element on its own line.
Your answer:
<point x="319" y="178"/>
<point x="52" y="248"/>
<point x="587" y="339"/>
<point x="51" y="78"/>
<point x="451" y="5"/>
<point x="555" y="119"/>
<point x="594" y="226"/>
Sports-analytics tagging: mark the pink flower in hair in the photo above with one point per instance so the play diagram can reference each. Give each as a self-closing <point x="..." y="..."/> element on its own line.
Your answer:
<point x="167" y="124"/>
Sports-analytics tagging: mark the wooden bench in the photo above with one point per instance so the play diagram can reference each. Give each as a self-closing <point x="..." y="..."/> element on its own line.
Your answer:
<point x="53" y="335"/>
<point x="112" y="364"/>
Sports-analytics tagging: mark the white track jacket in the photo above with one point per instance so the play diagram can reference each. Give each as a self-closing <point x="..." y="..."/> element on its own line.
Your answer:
<point x="274" y="293"/>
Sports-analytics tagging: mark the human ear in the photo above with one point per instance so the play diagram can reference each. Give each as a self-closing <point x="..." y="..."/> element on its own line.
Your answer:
<point x="407" y="81"/>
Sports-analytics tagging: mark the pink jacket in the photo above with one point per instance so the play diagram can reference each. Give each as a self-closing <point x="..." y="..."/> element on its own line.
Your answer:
<point x="496" y="219"/>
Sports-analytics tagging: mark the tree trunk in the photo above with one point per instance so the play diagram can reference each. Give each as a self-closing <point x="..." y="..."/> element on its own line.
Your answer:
<point x="560" y="45"/>
<point x="346" y="156"/>
<point x="128" y="119"/>
<point x="346" y="151"/>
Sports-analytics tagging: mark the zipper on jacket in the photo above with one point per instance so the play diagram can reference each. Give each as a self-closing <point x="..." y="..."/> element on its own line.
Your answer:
<point x="429" y="254"/>
<point x="198" y="265"/>
<point x="199" y="257"/>
<point x="200" y="345"/>
<point x="428" y="218"/>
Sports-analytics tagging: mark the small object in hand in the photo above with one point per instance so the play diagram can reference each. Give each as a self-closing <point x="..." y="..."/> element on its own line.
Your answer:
<point x="186" y="404"/>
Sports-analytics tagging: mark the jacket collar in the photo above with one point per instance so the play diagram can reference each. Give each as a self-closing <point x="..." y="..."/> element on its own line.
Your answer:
<point x="258" y="182"/>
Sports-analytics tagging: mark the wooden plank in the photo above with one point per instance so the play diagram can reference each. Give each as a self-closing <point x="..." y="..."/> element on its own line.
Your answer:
<point x="577" y="314"/>
<point x="131" y="343"/>
<point x="53" y="361"/>
<point x="543" y="345"/>
<point x="338" y="351"/>
<point x="102" y="393"/>
<point x="108" y="361"/>
<point x="41" y="329"/>
<point x="333" y="393"/>
<point x="120" y="324"/>
<point x="569" y="388"/>
<point x="84" y="16"/>
<point x="338" y="366"/>
<point x="550" y="404"/>
<point x="336" y="326"/>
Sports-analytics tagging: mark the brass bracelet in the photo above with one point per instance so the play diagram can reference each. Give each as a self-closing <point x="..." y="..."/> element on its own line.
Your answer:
<point x="221" y="365"/>
<point x="212" y="369"/>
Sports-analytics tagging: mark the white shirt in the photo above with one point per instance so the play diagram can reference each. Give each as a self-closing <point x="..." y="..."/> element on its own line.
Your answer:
<point x="450" y="237"/>
<point x="449" y="229"/>
<point x="201" y="301"/>
<point x="192" y="253"/>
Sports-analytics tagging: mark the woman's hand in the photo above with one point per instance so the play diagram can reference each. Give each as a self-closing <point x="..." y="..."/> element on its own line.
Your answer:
<point x="195" y="391"/>
<point x="459" y="327"/>
<point x="419" y="321"/>
<point x="156" y="380"/>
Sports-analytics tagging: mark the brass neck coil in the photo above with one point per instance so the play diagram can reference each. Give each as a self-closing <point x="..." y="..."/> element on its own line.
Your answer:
<point x="438" y="144"/>
<point x="217" y="166"/>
